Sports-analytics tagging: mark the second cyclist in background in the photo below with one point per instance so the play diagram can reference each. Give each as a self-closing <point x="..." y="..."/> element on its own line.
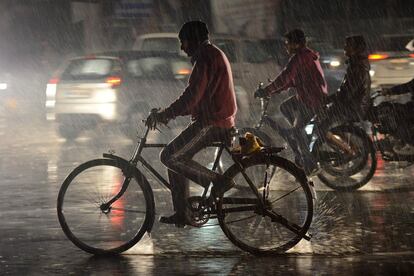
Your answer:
<point x="304" y="73"/>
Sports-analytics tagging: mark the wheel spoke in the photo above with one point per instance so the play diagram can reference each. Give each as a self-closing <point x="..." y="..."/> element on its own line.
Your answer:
<point x="128" y="210"/>
<point x="288" y="193"/>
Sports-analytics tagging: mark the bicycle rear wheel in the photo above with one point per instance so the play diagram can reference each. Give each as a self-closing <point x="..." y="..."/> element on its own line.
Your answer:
<point x="100" y="230"/>
<point x="341" y="171"/>
<point x="287" y="213"/>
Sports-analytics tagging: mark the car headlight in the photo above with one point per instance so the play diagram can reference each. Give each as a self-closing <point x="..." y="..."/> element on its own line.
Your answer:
<point x="335" y="63"/>
<point x="3" y="86"/>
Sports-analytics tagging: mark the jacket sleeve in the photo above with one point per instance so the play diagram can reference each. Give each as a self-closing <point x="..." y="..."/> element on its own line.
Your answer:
<point x="192" y="94"/>
<point x="285" y="78"/>
<point x="403" y="88"/>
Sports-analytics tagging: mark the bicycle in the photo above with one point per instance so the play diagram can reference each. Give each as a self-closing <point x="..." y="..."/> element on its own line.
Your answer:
<point x="106" y="205"/>
<point x="347" y="156"/>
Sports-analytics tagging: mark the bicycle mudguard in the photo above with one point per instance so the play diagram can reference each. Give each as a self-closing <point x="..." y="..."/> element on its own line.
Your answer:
<point x="133" y="171"/>
<point x="117" y="158"/>
<point x="272" y="150"/>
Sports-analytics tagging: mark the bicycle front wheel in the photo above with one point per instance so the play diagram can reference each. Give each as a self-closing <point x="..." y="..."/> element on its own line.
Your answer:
<point x="88" y="223"/>
<point x="287" y="212"/>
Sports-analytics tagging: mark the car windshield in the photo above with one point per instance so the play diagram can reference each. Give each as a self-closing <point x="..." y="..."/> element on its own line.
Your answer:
<point x="89" y="68"/>
<point x="392" y="43"/>
<point x="159" y="68"/>
<point x="161" y="44"/>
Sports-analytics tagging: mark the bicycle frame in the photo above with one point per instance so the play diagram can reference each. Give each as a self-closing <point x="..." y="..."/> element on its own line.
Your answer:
<point x="137" y="157"/>
<point x="256" y="205"/>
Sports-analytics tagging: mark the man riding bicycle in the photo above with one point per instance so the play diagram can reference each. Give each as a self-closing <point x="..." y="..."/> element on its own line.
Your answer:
<point x="304" y="73"/>
<point x="210" y="100"/>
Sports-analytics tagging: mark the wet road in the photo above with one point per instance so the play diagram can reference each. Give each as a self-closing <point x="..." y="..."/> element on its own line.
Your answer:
<point x="368" y="231"/>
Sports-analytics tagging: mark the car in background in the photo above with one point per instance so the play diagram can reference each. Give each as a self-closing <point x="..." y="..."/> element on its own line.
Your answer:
<point x="117" y="88"/>
<point x="250" y="64"/>
<point x="167" y="42"/>
<point x="392" y="60"/>
<point x="21" y="92"/>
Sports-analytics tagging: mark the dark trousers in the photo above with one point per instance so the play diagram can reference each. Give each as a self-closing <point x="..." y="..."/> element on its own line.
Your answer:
<point x="177" y="157"/>
<point x="405" y="122"/>
<point x="298" y="115"/>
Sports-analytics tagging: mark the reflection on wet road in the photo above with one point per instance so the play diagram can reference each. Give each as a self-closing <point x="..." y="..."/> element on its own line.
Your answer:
<point x="371" y="224"/>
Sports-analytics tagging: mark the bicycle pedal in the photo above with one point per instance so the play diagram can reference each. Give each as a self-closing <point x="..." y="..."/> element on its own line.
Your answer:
<point x="307" y="237"/>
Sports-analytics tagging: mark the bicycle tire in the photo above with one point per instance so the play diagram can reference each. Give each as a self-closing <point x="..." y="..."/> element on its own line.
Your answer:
<point x="294" y="194"/>
<point x="93" y="230"/>
<point x="349" y="179"/>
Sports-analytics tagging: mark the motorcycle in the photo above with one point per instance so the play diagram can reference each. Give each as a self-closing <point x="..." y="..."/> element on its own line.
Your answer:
<point x="392" y="127"/>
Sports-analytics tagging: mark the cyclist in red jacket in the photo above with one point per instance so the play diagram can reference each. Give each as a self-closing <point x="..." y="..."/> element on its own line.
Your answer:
<point x="304" y="73"/>
<point x="210" y="100"/>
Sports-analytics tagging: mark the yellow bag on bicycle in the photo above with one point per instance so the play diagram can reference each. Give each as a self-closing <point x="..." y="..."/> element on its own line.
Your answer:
<point x="248" y="144"/>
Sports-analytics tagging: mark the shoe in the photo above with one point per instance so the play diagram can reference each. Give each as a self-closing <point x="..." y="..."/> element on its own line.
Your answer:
<point x="219" y="188"/>
<point x="175" y="219"/>
<point x="405" y="149"/>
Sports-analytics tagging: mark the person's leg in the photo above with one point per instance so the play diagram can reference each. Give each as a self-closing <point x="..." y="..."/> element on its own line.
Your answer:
<point x="179" y="183"/>
<point x="177" y="156"/>
<point x="303" y="117"/>
<point x="405" y="120"/>
<point x="181" y="161"/>
<point x="289" y="110"/>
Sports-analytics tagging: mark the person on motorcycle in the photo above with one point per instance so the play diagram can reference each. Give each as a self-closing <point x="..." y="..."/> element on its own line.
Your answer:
<point x="210" y="100"/>
<point x="304" y="73"/>
<point x="353" y="99"/>
<point x="405" y="127"/>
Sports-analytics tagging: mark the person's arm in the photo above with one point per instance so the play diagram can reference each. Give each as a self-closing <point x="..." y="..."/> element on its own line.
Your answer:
<point x="285" y="78"/>
<point x="192" y="94"/>
<point x="403" y="88"/>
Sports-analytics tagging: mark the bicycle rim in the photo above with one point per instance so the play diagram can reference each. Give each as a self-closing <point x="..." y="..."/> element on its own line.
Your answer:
<point x="106" y="231"/>
<point x="355" y="172"/>
<point x="287" y="195"/>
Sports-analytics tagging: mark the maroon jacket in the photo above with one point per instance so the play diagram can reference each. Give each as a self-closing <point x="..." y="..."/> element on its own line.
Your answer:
<point x="304" y="72"/>
<point x="209" y="96"/>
